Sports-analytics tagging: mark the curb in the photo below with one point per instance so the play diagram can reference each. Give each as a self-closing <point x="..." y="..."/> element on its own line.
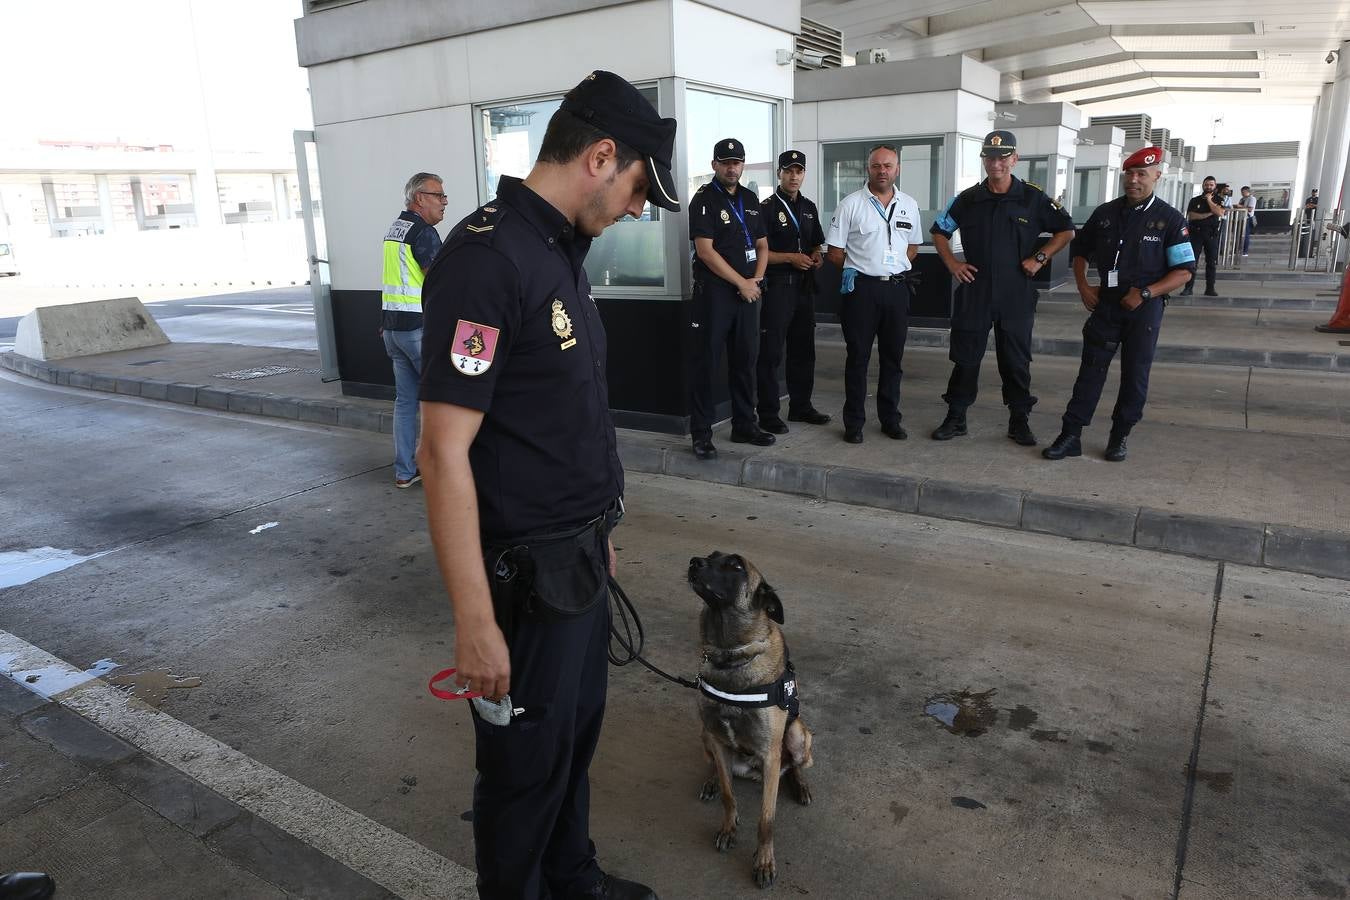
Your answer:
<point x="1195" y="301"/>
<point x="1287" y="547"/>
<point x="1073" y="347"/>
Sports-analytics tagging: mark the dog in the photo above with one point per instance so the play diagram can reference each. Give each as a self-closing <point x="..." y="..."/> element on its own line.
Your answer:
<point x="743" y="652"/>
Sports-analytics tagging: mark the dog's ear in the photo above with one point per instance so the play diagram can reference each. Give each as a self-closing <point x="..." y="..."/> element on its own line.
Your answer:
<point x="768" y="600"/>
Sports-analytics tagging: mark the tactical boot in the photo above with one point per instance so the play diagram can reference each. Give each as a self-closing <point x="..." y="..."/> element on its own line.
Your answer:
<point x="952" y="426"/>
<point x="1019" y="430"/>
<point x="1067" y="444"/>
<point x="1115" y="447"/>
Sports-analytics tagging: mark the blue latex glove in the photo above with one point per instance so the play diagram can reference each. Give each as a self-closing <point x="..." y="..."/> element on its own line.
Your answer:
<point x="846" y="281"/>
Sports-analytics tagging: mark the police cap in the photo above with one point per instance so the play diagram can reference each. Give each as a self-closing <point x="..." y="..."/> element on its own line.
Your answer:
<point x="1143" y="157"/>
<point x="999" y="143"/>
<point x="791" y="158"/>
<point x="614" y="106"/>
<point x="728" y="149"/>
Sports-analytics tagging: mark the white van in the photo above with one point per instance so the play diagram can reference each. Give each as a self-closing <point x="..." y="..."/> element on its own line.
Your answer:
<point x="7" y="264"/>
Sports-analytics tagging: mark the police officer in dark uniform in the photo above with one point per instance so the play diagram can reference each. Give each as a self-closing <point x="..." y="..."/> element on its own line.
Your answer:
<point x="1204" y="214"/>
<point x="731" y="253"/>
<point x="796" y="243"/>
<point x="1142" y="252"/>
<point x="1000" y="219"/>
<point x="523" y="481"/>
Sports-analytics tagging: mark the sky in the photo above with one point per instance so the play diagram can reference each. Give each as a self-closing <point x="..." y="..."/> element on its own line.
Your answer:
<point x="94" y="70"/>
<point x="81" y="69"/>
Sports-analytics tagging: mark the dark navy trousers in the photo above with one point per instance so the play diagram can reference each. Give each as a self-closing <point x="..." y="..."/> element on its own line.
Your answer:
<point x="1209" y="245"/>
<point x="531" y="800"/>
<point x="788" y="319"/>
<point x="877" y="311"/>
<point x="721" y="320"/>
<point x="1012" y="348"/>
<point x="1109" y="328"/>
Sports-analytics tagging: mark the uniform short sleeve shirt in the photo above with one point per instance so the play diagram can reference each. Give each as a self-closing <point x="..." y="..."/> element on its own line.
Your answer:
<point x="733" y="222"/>
<point x="793" y="226"/>
<point x="511" y="330"/>
<point x="866" y="229"/>
<point x="1142" y="243"/>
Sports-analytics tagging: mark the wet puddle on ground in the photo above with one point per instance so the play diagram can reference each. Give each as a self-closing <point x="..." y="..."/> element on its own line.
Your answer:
<point x="22" y="566"/>
<point x="153" y="685"/>
<point x="963" y="712"/>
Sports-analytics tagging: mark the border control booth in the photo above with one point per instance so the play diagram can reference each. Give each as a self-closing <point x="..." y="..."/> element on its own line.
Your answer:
<point x="466" y="91"/>
<point x="1096" y="170"/>
<point x="936" y="111"/>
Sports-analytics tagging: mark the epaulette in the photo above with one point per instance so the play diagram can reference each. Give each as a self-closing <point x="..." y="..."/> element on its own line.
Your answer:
<point x="485" y="219"/>
<point x="1032" y="184"/>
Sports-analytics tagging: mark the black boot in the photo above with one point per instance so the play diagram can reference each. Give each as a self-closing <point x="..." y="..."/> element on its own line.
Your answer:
<point x="1019" y="430"/>
<point x="27" y="886"/>
<point x="611" y="888"/>
<point x="1115" y="447"/>
<point x="952" y="426"/>
<point x="1188" y="289"/>
<point x="1067" y="444"/>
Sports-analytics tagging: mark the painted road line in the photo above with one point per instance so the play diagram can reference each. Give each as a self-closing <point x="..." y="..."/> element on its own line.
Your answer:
<point x="391" y="860"/>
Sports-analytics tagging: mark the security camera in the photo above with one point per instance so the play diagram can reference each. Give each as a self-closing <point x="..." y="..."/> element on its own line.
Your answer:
<point x="811" y="58"/>
<point x="1331" y="57"/>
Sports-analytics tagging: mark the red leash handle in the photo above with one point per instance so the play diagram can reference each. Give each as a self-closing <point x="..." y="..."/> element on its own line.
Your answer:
<point x="457" y="694"/>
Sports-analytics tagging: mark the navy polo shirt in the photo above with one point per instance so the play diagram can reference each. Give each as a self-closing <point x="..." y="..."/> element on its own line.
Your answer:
<point x="1142" y="242"/>
<point x="713" y="214"/>
<point x="786" y="236"/>
<point x="511" y="329"/>
<point x="1202" y="227"/>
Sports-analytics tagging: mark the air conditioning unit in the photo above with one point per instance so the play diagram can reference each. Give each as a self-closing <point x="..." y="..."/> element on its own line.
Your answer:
<point x="872" y="57"/>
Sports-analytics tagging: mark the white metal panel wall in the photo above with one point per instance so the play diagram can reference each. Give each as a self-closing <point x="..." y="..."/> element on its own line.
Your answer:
<point x="714" y="48"/>
<point x="1237" y="172"/>
<point x="363" y="166"/>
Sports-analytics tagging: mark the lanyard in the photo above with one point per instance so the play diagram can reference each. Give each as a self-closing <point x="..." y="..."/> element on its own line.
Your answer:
<point x="1120" y="243"/>
<point x="737" y="209"/>
<point x="885" y="216"/>
<point x="793" y="216"/>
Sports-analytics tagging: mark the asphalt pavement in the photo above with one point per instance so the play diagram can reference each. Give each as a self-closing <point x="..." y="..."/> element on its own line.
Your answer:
<point x="997" y="713"/>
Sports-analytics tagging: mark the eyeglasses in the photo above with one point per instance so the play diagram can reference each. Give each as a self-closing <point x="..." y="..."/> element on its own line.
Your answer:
<point x="437" y="194"/>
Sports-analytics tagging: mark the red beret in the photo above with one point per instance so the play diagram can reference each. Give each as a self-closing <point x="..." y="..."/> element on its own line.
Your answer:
<point x="1146" y="156"/>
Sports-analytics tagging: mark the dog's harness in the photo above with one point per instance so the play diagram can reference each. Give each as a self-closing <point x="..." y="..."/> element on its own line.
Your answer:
<point x="781" y="692"/>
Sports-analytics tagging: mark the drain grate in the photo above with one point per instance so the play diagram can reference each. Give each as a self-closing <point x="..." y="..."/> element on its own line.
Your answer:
<point x="264" y="372"/>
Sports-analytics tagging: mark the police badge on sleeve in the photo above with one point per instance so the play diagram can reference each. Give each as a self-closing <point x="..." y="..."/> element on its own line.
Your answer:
<point x="473" y="347"/>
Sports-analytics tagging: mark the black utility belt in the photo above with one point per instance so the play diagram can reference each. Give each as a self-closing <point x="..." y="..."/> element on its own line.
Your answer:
<point x="555" y="575"/>
<point x="783" y="277"/>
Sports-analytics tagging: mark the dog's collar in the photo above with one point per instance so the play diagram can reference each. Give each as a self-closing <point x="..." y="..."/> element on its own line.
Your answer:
<point x="781" y="692"/>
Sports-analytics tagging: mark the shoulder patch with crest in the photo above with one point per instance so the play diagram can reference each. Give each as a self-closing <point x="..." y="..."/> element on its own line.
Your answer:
<point x="473" y="347"/>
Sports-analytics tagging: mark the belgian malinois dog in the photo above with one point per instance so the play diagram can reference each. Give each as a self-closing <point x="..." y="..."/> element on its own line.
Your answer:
<point x="743" y="652"/>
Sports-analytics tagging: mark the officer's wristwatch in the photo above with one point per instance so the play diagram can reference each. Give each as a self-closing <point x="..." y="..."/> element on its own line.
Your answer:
<point x="1040" y="257"/>
<point x="1145" y="294"/>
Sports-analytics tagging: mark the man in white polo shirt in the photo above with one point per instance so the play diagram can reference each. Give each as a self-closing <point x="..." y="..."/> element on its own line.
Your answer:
<point x="874" y="236"/>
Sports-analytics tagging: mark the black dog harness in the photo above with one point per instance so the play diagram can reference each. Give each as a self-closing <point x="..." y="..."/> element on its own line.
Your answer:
<point x="781" y="692"/>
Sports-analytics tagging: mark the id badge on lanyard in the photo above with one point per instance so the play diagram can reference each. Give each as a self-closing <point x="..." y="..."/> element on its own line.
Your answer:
<point x="892" y="258"/>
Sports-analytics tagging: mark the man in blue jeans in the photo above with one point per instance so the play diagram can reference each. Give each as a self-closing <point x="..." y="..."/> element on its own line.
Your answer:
<point x="410" y="247"/>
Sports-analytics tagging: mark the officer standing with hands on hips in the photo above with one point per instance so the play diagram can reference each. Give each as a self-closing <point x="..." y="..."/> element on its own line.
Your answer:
<point x="1142" y="252"/>
<point x="523" y="481"/>
<point x="1000" y="220"/>
<point x="796" y="243"/>
<point x="874" y="237"/>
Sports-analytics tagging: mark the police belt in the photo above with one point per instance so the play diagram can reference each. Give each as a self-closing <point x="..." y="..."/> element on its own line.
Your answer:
<point x="899" y="278"/>
<point x="783" y="277"/>
<point x="781" y="692"/>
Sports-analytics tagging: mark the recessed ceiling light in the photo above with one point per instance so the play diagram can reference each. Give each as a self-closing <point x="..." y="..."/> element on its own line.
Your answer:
<point x="1285" y="27"/>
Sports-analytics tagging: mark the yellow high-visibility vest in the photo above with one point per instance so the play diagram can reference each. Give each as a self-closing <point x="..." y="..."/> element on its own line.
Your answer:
<point x="403" y="276"/>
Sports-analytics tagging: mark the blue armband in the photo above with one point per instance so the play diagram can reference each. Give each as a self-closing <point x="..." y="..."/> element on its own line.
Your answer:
<point x="1178" y="254"/>
<point x="847" y="277"/>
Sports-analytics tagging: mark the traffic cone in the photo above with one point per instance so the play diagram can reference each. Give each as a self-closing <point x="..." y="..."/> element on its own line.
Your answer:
<point x="1340" y="319"/>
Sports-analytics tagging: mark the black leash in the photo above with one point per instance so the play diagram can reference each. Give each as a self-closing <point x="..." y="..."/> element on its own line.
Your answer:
<point x="632" y="650"/>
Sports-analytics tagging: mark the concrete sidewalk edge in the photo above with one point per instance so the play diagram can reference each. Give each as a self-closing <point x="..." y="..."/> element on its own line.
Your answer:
<point x="1271" y="545"/>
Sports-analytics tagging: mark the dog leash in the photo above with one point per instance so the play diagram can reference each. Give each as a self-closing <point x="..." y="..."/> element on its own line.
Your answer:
<point x="624" y="609"/>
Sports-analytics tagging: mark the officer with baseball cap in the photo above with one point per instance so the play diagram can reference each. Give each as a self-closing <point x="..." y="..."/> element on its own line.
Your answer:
<point x="1000" y="220"/>
<point x="731" y="254"/>
<point x="796" y="248"/>
<point x="1141" y="250"/>
<point x="523" y="481"/>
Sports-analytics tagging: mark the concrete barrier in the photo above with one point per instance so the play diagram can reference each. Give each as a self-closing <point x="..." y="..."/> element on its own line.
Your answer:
<point x="83" y="329"/>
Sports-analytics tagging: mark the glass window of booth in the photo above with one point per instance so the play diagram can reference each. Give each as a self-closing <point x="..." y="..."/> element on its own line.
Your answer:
<point x="844" y="170"/>
<point x="631" y="252"/>
<point x="1035" y="169"/>
<point x="1089" y="192"/>
<point x="711" y="117"/>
